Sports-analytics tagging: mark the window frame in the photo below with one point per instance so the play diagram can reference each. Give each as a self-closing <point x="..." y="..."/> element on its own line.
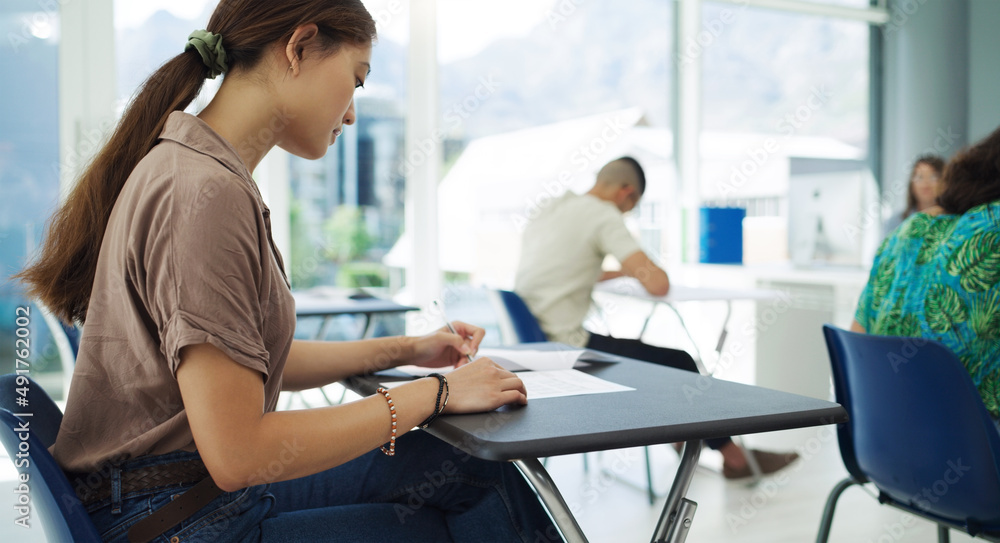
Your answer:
<point x="687" y="104"/>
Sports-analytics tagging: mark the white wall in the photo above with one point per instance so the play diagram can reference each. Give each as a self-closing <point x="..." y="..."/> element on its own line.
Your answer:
<point x="984" y="75"/>
<point x="926" y="86"/>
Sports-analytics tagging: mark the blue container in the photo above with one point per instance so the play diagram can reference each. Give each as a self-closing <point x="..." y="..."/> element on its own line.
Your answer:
<point x="721" y="231"/>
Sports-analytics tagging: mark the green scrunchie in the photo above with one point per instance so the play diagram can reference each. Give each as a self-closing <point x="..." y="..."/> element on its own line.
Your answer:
<point x="209" y="46"/>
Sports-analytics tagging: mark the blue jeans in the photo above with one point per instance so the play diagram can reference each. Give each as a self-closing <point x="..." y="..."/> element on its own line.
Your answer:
<point x="427" y="492"/>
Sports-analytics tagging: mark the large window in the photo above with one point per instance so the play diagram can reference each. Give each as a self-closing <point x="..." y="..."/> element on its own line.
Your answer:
<point x="529" y="91"/>
<point x="151" y="32"/>
<point x="762" y="66"/>
<point x="781" y="92"/>
<point x="347" y="208"/>
<point x="851" y="3"/>
<point x="534" y="98"/>
<point x="29" y="172"/>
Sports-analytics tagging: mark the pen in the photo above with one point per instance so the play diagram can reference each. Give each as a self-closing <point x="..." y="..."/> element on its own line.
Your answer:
<point x="448" y="323"/>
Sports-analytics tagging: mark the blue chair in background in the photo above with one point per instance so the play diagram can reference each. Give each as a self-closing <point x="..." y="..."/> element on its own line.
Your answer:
<point x="73" y="335"/>
<point x="517" y="323"/>
<point x="53" y="500"/>
<point x="918" y="431"/>
<point x="66" y="338"/>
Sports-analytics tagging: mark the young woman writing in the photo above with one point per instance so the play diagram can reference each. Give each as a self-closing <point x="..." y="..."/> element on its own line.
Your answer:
<point x="164" y="249"/>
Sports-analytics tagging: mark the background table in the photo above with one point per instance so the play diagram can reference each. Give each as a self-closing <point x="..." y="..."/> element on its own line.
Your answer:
<point x="630" y="287"/>
<point x="667" y="406"/>
<point x="328" y="303"/>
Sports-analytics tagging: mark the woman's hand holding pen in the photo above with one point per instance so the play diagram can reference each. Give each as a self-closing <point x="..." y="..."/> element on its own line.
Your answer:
<point x="477" y="385"/>
<point x="452" y="345"/>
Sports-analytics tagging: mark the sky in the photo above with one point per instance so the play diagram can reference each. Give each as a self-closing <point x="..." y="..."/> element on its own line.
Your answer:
<point x="465" y="27"/>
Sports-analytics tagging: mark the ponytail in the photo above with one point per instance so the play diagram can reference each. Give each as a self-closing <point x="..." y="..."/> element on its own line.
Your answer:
<point x="63" y="275"/>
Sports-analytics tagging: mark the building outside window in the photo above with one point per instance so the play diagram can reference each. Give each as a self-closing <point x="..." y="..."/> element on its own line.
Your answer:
<point x="29" y="173"/>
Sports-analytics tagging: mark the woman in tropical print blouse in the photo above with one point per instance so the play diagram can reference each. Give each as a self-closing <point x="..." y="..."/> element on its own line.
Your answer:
<point x="938" y="275"/>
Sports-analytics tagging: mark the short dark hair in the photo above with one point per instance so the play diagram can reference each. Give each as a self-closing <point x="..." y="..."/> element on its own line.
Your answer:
<point x="972" y="177"/>
<point x="639" y="174"/>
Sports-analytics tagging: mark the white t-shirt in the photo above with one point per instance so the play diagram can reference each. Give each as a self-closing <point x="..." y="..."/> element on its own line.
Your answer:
<point x="561" y="255"/>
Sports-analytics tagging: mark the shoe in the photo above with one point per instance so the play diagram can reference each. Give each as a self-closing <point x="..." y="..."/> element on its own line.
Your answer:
<point x="769" y="462"/>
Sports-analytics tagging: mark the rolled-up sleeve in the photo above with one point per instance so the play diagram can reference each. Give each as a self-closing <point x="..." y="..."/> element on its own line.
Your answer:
<point x="203" y="273"/>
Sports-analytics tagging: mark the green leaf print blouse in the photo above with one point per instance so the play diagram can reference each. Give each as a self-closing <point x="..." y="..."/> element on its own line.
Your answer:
<point x="939" y="278"/>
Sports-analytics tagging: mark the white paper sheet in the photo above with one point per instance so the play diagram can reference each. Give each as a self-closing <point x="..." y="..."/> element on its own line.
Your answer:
<point x="515" y="360"/>
<point x="528" y="359"/>
<point x="556" y="383"/>
<point x="420" y="371"/>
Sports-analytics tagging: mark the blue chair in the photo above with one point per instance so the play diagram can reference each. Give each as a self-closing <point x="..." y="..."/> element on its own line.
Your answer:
<point x="520" y="324"/>
<point x="66" y="338"/>
<point x="53" y="500"/>
<point x="918" y="431"/>
<point x="73" y="335"/>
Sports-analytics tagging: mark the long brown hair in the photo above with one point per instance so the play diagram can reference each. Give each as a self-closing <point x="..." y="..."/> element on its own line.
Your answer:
<point x="937" y="164"/>
<point x="62" y="276"/>
<point x="972" y="176"/>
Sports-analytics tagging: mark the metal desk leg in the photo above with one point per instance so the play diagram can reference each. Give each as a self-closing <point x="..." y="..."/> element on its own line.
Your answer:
<point x="751" y="460"/>
<point x="325" y="397"/>
<point x="539" y="479"/>
<point x="369" y="329"/>
<point x="755" y="470"/>
<point x="678" y="510"/>
<point x="723" y="334"/>
<point x="320" y="334"/>
<point x="323" y="325"/>
<point x="646" y="322"/>
<point x="699" y="360"/>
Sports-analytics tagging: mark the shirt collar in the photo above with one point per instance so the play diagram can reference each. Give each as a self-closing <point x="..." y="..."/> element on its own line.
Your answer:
<point x="194" y="133"/>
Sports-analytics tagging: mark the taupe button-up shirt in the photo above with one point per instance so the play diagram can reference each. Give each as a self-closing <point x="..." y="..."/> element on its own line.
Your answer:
<point x="187" y="258"/>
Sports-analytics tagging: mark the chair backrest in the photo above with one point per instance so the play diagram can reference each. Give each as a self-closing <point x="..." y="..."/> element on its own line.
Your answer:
<point x="67" y="341"/>
<point x="73" y="335"/>
<point x="521" y="323"/>
<point x="53" y="500"/>
<point x="918" y="428"/>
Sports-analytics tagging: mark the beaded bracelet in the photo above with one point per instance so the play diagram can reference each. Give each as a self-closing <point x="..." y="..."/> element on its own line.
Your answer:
<point x="438" y="406"/>
<point x="391" y="451"/>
